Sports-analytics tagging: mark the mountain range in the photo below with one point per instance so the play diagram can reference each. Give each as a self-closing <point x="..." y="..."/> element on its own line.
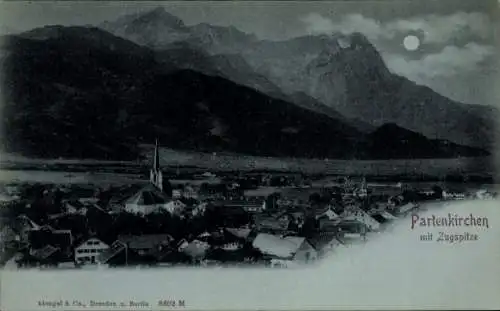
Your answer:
<point x="343" y="72"/>
<point x="99" y="92"/>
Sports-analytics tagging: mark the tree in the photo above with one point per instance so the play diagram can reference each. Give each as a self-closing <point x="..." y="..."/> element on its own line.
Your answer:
<point x="158" y="222"/>
<point x="410" y="196"/>
<point x="167" y="187"/>
<point x="204" y="187"/>
<point x="309" y="227"/>
<point x="127" y="223"/>
<point x="315" y="198"/>
<point x="272" y="200"/>
<point x="437" y="192"/>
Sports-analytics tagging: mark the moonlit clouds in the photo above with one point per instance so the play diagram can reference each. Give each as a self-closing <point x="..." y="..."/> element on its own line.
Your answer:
<point x="451" y="60"/>
<point x="441" y="29"/>
<point x="435" y="29"/>
<point x="318" y="24"/>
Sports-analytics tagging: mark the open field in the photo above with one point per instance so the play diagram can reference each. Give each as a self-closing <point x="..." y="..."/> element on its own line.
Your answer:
<point x="195" y="161"/>
<point x="479" y="166"/>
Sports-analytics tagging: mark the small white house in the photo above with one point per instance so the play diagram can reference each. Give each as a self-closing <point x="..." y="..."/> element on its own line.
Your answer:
<point x="200" y="209"/>
<point x="483" y="194"/>
<point x="450" y="195"/>
<point x="189" y="192"/>
<point x="88" y="252"/>
<point x="176" y="194"/>
<point x="174" y="207"/>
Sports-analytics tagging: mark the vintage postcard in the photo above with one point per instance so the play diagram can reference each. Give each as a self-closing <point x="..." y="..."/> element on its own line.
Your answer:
<point x="249" y="155"/>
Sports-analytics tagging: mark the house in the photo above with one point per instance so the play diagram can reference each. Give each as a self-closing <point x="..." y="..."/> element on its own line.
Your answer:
<point x="7" y="234"/>
<point x="176" y="194"/>
<point x="261" y="193"/>
<point x="383" y="216"/>
<point x="254" y="206"/>
<point x="132" y="249"/>
<point x="234" y="255"/>
<point x="190" y="192"/>
<point x="250" y="206"/>
<point x="356" y="213"/>
<point x="13" y="190"/>
<point x="148" y="200"/>
<point x="109" y="256"/>
<point x="325" y="243"/>
<point x="326" y="212"/>
<point x="328" y="225"/>
<point x="427" y="193"/>
<point x="174" y="207"/>
<point x="88" y="201"/>
<point x="394" y="201"/>
<point x="240" y="233"/>
<point x="46" y="256"/>
<point x="294" y="213"/>
<point x="117" y="201"/>
<point x="453" y="195"/>
<point x="231" y="239"/>
<point x="114" y="255"/>
<point x="183" y="243"/>
<point x="199" y="209"/>
<point x="361" y="191"/>
<point x="46" y="235"/>
<point x="24" y="225"/>
<point x="8" y="239"/>
<point x="142" y="244"/>
<point x="204" y="176"/>
<point x="204" y="235"/>
<point x="351" y="231"/>
<point x="89" y="251"/>
<point x="232" y="246"/>
<point x="406" y="208"/>
<point x="171" y="257"/>
<point x="75" y="207"/>
<point x="271" y="224"/>
<point x="285" y="202"/>
<point x="484" y="194"/>
<point x="290" y="249"/>
<point x="6" y="199"/>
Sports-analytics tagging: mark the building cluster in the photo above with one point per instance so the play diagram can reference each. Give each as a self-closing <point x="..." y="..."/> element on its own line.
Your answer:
<point x="216" y="222"/>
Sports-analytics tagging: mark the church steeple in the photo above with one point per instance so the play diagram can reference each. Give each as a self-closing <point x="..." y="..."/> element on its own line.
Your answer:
<point x="156" y="160"/>
<point x="156" y="177"/>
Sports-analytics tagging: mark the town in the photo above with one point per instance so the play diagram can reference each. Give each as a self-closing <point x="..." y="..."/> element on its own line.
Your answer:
<point x="205" y="219"/>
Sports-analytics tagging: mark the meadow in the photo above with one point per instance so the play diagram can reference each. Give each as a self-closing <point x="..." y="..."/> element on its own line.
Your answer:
<point x="190" y="162"/>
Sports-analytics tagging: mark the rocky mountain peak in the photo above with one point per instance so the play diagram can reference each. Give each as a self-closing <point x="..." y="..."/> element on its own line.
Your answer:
<point x="159" y="16"/>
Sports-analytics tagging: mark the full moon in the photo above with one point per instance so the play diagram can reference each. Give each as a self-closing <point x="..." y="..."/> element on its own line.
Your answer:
<point x="411" y="43"/>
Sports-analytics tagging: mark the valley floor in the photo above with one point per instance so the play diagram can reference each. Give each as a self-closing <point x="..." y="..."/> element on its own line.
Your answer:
<point x="420" y="169"/>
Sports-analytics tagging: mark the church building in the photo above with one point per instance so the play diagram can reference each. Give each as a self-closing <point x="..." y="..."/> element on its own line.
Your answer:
<point x="154" y="196"/>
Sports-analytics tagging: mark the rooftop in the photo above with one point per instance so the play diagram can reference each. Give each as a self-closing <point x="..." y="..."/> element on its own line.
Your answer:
<point x="45" y="252"/>
<point x="282" y="247"/>
<point x="148" y="195"/>
<point x="145" y="241"/>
